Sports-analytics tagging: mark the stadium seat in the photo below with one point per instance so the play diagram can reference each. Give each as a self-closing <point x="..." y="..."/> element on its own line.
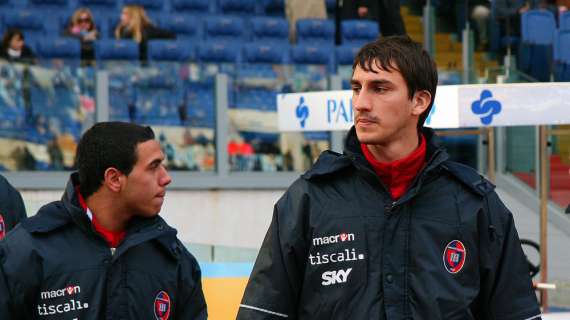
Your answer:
<point x="562" y="56"/>
<point x="219" y="52"/>
<point x="312" y="54"/>
<point x="169" y="50"/>
<point x="150" y="6"/>
<point x="538" y="27"/>
<point x="26" y="20"/>
<point x="359" y="31"/>
<point x="185" y="26"/>
<point x="116" y="50"/>
<point x="264" y="52"/>
<point x="269" y="29"/>
<point x="191" y="6"/>
<point x="63" y="48"/>
<point x="345" y="54"/>
<point x="237" y="7"/>
<point x="313" y="31"/>
<point x="101" y="8"/>
<point x="225" y="28"/>
<point x="537" y="36"/>
<point x="564" y="20"/>
<point x="273" y="7"/>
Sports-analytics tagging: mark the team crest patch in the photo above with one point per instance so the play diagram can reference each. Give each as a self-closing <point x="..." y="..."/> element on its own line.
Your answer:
<point x="2" y="227"/>
<point x="454" y="256"/>
<point x="162" y="306"/>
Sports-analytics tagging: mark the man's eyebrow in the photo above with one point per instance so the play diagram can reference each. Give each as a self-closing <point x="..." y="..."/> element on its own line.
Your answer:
<point x="374" y="82"/>
<point x="156" y="161"/>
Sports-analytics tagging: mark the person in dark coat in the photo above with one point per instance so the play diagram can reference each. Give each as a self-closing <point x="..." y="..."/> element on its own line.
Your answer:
<point x="12" y="210"/>
<point x="14" y="48"/>
<point x="390" y="229"/>
<point x="102" y="251"/>
<point x="82" y="26"/>
<point x="136" y="25"/>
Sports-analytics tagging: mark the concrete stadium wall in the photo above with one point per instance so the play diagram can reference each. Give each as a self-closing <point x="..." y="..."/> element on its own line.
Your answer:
<point x="232" y="218"/>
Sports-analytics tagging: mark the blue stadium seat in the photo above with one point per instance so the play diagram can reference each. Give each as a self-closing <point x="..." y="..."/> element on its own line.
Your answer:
<point x="537" y="35"/>
<point x="315" y="31"/>
<point x="538" y="27"/>
<point x="192" y="6"/>
<point x="183" y="25"/>
<point x="562" y="56"/>
<point x="116" y="50"/>
<point x="199" y="101"/>
<point x="101" y="9"/>
<point x="266" y="52"/>
<point x="237" y="7"/>
<point x="50" y="4"/>
<point x="312" y="54"/>
<point x="564" y="20"/>
<point x="150" y="6"/>
<point x="219" y="52"/>
<point x="345" y="54"/>
<point x="225" y="28"/>
<point x="61" y="48"/>
<point x="26" y="20"/>
<point x="359" y="31"/>
<point x="269" y="28"/>
<point x="170" y="50"/>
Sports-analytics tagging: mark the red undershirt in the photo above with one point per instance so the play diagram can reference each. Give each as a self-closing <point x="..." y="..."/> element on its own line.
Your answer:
<point x="113" y="238"/>
<point x="399" y="174"/>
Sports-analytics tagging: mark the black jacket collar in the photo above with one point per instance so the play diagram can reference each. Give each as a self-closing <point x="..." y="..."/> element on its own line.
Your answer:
<point x="69" y="211"/>
<point x="330" y="162"/>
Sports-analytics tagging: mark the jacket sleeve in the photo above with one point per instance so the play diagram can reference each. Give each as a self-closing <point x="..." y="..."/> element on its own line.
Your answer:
<point x="506" y="283"/>
<point x="5" y="296"/>
<point x="18" y="206"/>
<point x="274" y="286"/>
<point x="192" y="304"/>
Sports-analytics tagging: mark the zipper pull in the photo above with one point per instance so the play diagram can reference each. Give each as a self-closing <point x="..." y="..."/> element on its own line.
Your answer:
<point x="113" y="251"/>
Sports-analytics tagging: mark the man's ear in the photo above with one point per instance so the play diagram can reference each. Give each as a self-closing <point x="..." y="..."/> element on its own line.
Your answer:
<point x="113" y="179"/>
<point x="421" y="102"/>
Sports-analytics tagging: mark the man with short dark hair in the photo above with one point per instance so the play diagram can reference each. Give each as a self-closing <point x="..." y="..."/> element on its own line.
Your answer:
<point x="12" y="210"/>
<point x="391" y="229"/>
<point x="102" y="252"/>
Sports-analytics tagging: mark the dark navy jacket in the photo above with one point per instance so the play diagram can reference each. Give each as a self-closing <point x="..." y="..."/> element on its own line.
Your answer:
<point x="54" y="266"/>
<point x="339" y="247"/>
<point x="12" y="209"/>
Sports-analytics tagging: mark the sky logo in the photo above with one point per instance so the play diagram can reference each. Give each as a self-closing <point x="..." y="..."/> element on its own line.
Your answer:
<point x="486" y="107"/>
<point x="302" y="112"/>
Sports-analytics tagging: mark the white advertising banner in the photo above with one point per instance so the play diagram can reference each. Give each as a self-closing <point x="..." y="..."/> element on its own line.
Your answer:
<point x="456" y="106"/>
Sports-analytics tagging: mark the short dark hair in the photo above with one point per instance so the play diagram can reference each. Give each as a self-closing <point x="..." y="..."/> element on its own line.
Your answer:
<point x="403" y="54"/>
<point x="106" y="145"/>
<point x="8" y="35"/>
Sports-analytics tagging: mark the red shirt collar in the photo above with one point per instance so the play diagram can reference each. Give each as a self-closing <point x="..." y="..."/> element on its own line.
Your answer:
<point x="399" y="174"/>
<point x="113" y="238"/>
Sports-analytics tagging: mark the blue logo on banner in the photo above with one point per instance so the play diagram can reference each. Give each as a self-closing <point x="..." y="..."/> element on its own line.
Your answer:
<point x="486" y="107"/>
<point x="431" y="112"/>
<point x="302" y="112"/>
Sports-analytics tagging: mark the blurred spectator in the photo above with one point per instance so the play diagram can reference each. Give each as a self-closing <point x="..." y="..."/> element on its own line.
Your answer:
<point x="136" y="25"/>
<point x="389" y="18"/>
<point x="303" y="9"/>
<point x="563" y="5"/>
<point x="83" y="28"/>
<point x="14" y="48"/>
<point x="509" y="12"/>
<point x="480" y="11"/>
<point x="351" y="10"/>
<point x="386" y="12"/>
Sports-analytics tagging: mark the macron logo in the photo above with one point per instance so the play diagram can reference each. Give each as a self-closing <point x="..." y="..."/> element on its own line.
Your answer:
<point x="333" y="239"/>
<point x="334" y="277"/>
